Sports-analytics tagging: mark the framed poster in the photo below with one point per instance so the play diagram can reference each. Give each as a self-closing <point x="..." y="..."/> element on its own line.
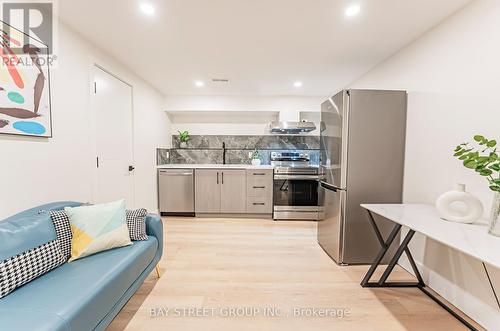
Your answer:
<point x="24" y="85"/>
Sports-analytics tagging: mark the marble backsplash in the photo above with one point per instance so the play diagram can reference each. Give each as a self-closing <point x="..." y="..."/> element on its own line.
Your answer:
<point x="251" y="142"/>
<point x="208" y="149"/>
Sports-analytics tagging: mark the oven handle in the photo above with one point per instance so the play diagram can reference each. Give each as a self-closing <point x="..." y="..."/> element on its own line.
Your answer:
<point x="297" y="177"/>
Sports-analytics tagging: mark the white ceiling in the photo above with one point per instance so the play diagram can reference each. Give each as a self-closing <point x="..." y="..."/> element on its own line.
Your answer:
<point x="261" y="46"/>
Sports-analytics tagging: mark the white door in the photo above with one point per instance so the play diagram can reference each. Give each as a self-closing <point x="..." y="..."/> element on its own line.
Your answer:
<point x="112" y="106"/>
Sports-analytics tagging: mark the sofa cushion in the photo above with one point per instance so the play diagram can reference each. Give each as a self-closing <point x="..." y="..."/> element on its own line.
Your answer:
<point x="136" y="223"/>
<point x="97" y="228"/>
<point x="23" y="268"/>
<point x="21" y="234"/>
<point x="81" y="293"/>
<point x="62" y="226"/>
<point x="28" y="250"/>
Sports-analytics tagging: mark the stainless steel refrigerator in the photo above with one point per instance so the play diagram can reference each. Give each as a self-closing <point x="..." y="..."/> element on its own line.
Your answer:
<point x="361" y="161"/>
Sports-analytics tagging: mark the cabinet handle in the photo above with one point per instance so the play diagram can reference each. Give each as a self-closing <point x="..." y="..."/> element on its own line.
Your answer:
<point x="258" y="204"/>
<point x="259" y="174"/>
<point x="217" y="178"/>
<point x="259" y="187"/>
<point x="222" y="178"/>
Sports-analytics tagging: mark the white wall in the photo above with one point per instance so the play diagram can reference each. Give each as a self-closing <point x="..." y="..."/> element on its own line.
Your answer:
<point x="452" y="74"/>
<point x="35" y="171"/>
<point x="288" y="108"/>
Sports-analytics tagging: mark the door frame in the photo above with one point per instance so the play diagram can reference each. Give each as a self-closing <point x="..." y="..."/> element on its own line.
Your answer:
<point x="93" y="129"/>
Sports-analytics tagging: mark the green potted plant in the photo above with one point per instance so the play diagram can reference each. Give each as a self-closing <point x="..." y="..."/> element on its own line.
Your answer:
<point x="183" y="138"/>
<point x="485" y="161"/>
<point x="255" y="158"/>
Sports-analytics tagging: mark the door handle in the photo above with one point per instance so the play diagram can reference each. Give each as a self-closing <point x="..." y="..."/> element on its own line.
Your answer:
<point x="222" y="178"/>
<point x="259" y="204"/>
<point x="259" y="187"/>
<point x="217" y="178"/>
<point x="328" y="186"/>
<point x="131" y="168"/>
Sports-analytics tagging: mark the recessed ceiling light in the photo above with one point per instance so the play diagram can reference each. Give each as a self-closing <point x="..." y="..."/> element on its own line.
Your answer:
<point x="199" y="83"/>
<point x="297" y="84"/>
<point x="147" y="8"/>
<point x="352" y="10"/>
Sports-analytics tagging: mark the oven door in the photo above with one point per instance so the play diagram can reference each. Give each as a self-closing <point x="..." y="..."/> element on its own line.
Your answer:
<point x="295" y="196"/>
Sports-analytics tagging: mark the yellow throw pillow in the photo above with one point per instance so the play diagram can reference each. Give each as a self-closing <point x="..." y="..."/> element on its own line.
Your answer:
<point x="97" y="228"/>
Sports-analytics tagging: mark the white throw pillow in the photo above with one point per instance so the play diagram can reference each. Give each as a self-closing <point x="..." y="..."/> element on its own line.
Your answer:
<point x="97" y="228"/>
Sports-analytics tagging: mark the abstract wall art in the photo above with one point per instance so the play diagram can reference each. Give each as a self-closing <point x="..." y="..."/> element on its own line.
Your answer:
<point x="24" y="85"/>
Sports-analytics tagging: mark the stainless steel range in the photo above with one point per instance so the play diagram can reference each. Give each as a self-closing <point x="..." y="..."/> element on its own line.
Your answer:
<point x="295" y="187"/>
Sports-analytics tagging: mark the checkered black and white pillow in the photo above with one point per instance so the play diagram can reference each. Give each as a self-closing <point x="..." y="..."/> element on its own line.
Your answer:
<point x="136" y="222"/>
<point x="63" y="231"/>
<point x="23" y="268"/>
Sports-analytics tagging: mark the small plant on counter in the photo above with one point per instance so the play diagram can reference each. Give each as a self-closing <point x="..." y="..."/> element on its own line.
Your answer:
<point x="254" y="155"/>
<point x="483" y="159"/>
<point x="183" y="138"/>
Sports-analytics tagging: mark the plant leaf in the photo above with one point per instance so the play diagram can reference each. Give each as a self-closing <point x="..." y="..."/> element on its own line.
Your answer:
<point x="478" y="138"/>
<point x="491" y="143"/>
<point x="471" y="164"/>
<point x="486" y="172"/>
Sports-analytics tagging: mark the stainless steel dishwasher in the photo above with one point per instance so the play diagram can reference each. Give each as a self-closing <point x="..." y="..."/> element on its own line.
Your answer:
<point x="176" y="192"/>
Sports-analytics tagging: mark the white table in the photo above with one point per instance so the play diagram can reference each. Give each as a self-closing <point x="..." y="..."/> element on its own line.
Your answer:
<point x="470" y="239"/>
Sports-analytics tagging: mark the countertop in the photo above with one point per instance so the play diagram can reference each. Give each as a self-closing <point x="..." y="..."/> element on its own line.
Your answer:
<point x="214" y="166"/>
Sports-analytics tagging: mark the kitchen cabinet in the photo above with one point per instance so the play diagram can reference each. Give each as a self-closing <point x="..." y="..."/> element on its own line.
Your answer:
<point x="220" y="191"/>
<point x="207" y="191"/>
<point x="233" y="191"/>
<point x="259" y="191"/>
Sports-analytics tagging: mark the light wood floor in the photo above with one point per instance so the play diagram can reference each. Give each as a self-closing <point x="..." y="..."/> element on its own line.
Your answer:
<point x="234" y="263"/>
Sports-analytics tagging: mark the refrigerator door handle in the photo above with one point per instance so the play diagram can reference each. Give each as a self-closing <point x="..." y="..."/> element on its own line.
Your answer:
<point x="329" y="186"/>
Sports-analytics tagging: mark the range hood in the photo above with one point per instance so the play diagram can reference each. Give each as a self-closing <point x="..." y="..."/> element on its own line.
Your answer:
<point x="291" y="127"/>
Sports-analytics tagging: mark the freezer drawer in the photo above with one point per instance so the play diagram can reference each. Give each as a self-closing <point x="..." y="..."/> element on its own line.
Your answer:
<point x="331" y="223"/>
<point x="176" y="191"/>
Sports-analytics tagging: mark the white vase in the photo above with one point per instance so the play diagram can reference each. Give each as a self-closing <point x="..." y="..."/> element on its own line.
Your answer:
<point x="495" y="216"/>
<point x="459" y="206"/>
<point x="183" y="144"/>
<point x="256" y="162"/>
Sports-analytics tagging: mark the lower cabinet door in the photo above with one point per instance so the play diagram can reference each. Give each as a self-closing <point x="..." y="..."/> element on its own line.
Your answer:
<point x="233" y="191"/>
<point x="207" y="191"/>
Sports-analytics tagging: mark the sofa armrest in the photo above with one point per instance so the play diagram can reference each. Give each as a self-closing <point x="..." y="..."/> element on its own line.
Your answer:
<point x="154" y="227"/>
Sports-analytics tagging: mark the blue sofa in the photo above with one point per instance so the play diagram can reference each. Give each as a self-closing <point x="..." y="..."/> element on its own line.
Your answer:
<point x="82" y="295"/>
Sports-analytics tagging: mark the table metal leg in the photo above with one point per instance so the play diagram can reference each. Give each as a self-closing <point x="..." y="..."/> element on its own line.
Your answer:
<point x="392" y="263"/>
<point x="403" y="247"/>
<point x="385" y="247"/>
